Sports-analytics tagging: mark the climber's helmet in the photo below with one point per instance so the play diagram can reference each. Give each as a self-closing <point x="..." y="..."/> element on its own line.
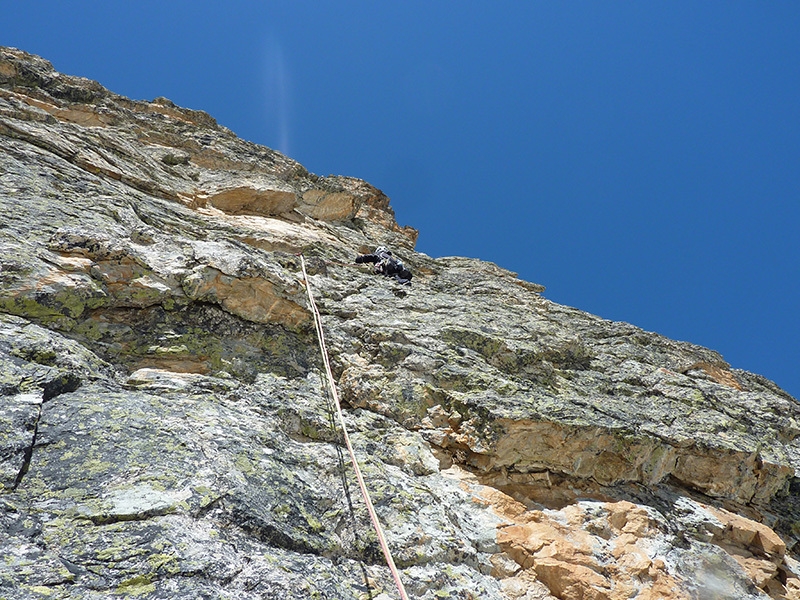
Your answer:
<point x="382" y="250"/>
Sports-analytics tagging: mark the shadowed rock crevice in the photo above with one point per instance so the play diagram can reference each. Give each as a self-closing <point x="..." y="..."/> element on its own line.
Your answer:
<point x="27" y="453"/>
<point x="62" y="384"/>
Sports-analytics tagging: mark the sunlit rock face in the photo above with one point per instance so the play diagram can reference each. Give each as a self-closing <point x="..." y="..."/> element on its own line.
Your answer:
<point x="165" y="430"/>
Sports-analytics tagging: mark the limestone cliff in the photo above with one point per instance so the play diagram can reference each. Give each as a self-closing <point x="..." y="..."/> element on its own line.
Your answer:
<point x="165" y="430"/>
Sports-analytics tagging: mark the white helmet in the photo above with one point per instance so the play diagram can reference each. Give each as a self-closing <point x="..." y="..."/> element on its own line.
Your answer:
<point x="381" y="250"/>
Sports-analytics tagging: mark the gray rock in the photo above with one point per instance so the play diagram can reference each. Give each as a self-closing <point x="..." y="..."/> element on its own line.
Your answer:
<point x="166" y="431"/>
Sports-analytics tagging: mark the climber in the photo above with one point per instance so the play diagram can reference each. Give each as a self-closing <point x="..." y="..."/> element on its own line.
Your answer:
<point x="387" y="265"/>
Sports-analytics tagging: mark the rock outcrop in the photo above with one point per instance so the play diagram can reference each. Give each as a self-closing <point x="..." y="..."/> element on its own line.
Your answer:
<point x="165" y="430"/>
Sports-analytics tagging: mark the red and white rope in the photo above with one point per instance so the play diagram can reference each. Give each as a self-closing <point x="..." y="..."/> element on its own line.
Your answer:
<point x="361" y="484"/>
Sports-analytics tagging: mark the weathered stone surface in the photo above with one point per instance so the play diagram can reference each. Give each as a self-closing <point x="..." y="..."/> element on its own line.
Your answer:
<point x="165" y="431"/>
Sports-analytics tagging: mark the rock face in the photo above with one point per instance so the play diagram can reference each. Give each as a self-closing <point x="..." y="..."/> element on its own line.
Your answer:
<point x="165" y="430"/>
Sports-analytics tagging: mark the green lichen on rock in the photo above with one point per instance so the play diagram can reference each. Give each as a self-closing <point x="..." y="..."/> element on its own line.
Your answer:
<point x="136" y="586"/>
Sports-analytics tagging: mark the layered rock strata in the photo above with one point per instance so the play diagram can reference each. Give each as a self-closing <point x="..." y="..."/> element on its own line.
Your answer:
<point x="165" y="431"/>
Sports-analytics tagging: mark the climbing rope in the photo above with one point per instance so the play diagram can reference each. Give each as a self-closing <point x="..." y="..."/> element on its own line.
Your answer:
<point x="361" y="484"/>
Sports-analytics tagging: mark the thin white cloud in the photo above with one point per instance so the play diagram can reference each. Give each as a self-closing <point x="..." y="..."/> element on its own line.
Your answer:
<point x="277" y="101"/>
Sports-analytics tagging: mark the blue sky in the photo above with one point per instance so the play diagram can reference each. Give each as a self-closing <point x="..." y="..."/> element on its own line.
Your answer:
<point x="640" y="159"/>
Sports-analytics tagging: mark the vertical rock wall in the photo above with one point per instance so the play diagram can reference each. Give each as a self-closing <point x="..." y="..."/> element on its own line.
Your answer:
<point x="165" y="431"/>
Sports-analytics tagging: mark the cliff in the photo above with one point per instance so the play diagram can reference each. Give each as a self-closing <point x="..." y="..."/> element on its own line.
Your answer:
<point x="165" y="430"/>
